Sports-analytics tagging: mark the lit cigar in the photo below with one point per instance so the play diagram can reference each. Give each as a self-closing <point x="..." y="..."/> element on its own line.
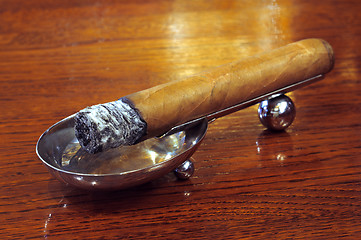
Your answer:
<point x="156" y="110"/>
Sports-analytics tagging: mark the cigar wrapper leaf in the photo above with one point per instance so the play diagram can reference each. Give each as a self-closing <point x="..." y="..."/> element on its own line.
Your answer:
<point x="167" y="105"/>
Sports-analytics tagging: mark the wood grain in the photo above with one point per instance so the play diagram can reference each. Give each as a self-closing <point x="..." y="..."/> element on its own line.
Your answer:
<point x="57" y="57"/>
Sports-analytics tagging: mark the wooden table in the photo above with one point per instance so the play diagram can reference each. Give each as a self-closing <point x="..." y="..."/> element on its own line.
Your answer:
<point x="57" y="57"/>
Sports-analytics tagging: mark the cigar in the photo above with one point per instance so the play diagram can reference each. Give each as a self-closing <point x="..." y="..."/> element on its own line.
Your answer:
<point x="152" y="112"/>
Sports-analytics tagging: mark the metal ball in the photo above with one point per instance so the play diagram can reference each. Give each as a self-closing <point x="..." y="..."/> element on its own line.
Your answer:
<point x="277" y="113"/>
<point x="185" y="170"/>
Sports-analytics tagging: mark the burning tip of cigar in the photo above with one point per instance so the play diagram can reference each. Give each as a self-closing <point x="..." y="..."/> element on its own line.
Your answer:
<point x="109" y="125"/>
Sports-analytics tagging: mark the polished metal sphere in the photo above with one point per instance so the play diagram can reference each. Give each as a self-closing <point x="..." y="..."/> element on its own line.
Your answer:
<point x="277" y="113"/>
<point x="185" y="170"/>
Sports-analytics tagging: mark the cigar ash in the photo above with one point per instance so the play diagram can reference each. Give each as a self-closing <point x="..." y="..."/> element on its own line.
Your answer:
<point x="109" y="125"/>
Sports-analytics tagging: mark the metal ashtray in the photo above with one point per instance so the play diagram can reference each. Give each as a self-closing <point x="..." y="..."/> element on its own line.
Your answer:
<point x="118" y="168"/>
<point x="128" y="166"/>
